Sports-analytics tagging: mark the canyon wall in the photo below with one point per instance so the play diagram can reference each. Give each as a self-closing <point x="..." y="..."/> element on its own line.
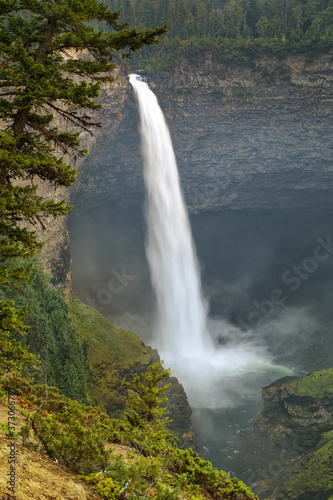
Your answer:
<point x="294" y="438"/>
<point x="56" y="255"/>
<point x="245" y="138"/>
<point x="252" y="138"/>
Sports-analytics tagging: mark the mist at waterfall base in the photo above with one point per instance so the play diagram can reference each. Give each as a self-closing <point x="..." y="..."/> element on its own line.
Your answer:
<point x="243" y="255"/>
<point x="210" y="374"/>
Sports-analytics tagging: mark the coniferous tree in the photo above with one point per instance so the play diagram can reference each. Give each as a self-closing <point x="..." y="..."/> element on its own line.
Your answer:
<point x="231" y="29"/>
<point x="52" y="62"/>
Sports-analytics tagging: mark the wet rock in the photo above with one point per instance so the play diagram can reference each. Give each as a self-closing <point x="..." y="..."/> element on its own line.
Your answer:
<point x="290" y="416"/>
<point x="293" y="437"/>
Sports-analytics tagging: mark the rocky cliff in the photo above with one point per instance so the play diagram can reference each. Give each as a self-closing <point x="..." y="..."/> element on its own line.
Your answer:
<point x="294" y="440"/>
<point x="298" y="411"/>
<point x="252" y="138"/>
<point x="245" y="138"/>
<point x="56" y="255"/>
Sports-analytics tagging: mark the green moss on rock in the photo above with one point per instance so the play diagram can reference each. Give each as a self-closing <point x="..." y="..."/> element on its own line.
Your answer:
<point x="316" y="384"/>
<point x="315" y="482"/>
<point x="113" y="353"/>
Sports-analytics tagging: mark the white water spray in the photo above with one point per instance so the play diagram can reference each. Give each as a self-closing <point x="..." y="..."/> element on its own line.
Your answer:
<point x="181" y="321"/>
<point x="181" y="325"/>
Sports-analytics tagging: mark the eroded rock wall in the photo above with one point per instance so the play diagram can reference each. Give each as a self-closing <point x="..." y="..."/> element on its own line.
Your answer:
<point x="56" y="255"/>
<point x="245" y="137"/>
<point x="293" y="436"/>
<point x="253" y="138"/>
<point x="290" y="416"/>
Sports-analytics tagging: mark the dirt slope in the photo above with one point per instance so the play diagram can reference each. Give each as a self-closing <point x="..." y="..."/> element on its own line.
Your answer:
<point x="36" y="476"/>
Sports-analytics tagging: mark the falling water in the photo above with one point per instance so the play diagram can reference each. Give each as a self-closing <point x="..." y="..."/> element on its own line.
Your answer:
<point x="181" y="325"/>
<point x="181" y="322"/>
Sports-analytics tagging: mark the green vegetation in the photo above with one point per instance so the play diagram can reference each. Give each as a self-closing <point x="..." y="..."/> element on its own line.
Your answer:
<point x="112" y="352"/>
<point x="316" y="384"/>
<point x="132" y="458"/>
<point x="50" y="335"/>
<point x="316" y="480"/>
<point x="240" y="92"/>
<point x="218" y="93"/>
<point x="53" y="63"/>
<point x="229" y="30"/>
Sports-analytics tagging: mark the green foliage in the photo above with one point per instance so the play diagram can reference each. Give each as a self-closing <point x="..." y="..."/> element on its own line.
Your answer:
<point x="230" y="30"/>
<point x="72" y="433"/>
<point x="149" y="395"/>
<point x="112" y="352"/>
<point x="191" y="469"/>
<point x="148" y="432"/>
<point x="218" y="93"/>
<point x="53" y="63"/>
<point x="107" y="488"/>
<point x="317" y="384"/>
<point x="104" y="486"/>
<point x="51" y="336"/>
<point x="141" y="477"/>
<point x="240" y="92"/>
<point x="84" y="439"/>
<point x="13" y="356"/>
<point x="9" y="431"/>
<point x="316" y="478"/>
<point x="268" y="76"/>
<point x="74" y="440"/>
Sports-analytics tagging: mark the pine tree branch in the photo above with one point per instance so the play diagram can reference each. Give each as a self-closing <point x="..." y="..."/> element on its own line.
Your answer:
<point x="18" y="290"/>
<point x="72" y="117"/>
<point x="41" y="222"/>
<point x="50" y="136"/>
<point x="22" y="115"/>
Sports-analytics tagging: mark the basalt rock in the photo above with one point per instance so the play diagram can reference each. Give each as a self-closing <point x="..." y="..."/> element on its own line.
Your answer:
<point x="294" y="438"/>
<point x="245" y="138"/>
<point x="298" y="418"/>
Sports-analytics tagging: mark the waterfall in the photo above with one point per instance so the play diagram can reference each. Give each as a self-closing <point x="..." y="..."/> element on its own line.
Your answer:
<point x="181" y="313"/>
<point x="181" y="333"/>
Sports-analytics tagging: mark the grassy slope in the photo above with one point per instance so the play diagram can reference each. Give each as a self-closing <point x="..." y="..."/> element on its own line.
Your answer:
<point x="37" y="476"/>
<point x="113" y="354"/>
<point x="315" y="481"/>
<point x="316" y="384"/>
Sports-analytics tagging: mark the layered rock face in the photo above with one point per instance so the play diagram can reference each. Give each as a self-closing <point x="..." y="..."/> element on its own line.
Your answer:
<point x="289" y="416"/>
<point x="245" y="138"/>
<point x="253" y="138"/>
<point x="293" y="436"/>
<point x="56" y="255"/>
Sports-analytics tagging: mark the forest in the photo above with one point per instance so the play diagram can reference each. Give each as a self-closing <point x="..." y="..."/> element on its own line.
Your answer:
<point x="44" y="363"/>
<point x="229" y="30"/>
